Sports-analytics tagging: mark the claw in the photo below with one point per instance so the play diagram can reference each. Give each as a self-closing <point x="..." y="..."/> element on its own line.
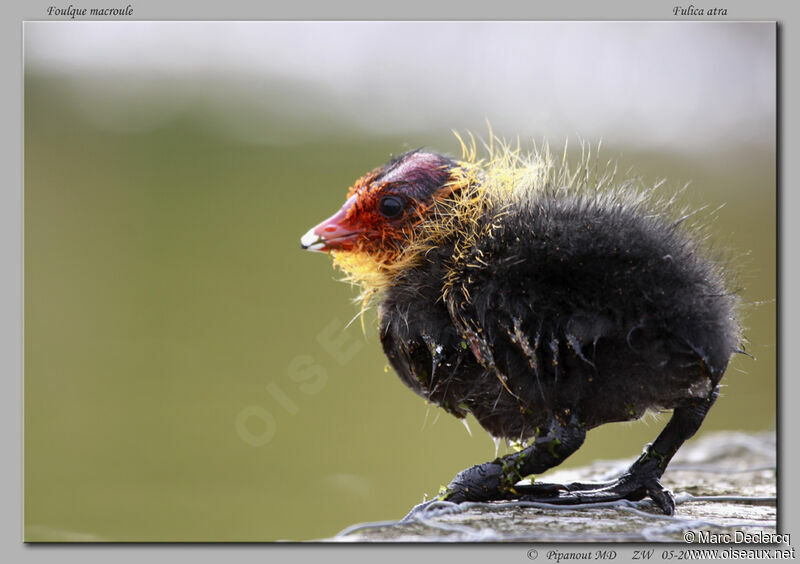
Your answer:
<point x="416" y="511"/>
<point x="662" y="497"/>
<point x="422" y="510"/>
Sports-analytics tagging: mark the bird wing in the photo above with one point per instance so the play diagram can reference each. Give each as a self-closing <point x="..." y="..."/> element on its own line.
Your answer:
<point x="423" y="348"/>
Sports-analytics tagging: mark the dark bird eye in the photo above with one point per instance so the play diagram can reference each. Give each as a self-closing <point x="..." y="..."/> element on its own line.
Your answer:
<point x="391" y="207"/>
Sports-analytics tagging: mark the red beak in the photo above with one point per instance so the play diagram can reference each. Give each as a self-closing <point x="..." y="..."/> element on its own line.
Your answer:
<point x="333" y="234"/>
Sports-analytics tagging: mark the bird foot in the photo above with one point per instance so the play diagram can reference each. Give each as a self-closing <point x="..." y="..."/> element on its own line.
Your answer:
<point x="631" y="486"/>
<point x="493" y="482"/>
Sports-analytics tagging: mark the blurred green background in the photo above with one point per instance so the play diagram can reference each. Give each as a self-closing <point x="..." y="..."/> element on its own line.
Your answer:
<point x="188" y="373"/>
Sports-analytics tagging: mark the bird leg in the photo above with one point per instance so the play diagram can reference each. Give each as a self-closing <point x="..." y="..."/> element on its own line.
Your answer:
<point x="642" y="479"/>
<point x="496" y="480"/>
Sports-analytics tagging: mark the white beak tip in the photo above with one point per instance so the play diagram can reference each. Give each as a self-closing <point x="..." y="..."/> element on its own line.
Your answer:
<point x="312" y="242"/>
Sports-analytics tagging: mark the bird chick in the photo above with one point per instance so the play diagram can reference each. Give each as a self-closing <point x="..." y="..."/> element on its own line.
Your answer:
<point x="542" y="300"/>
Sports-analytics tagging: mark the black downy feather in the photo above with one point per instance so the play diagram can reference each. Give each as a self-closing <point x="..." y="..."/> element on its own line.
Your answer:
<point x="571" y="303"/>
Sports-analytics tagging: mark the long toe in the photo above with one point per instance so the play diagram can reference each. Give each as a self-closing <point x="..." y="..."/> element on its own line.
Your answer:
<point x="589" y="486"/>
<point x="539" y="490"/>
<point x="632" y="487"/>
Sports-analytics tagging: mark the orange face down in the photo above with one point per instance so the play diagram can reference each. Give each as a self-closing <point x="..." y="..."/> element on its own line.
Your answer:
<point x="384" y="206"/>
